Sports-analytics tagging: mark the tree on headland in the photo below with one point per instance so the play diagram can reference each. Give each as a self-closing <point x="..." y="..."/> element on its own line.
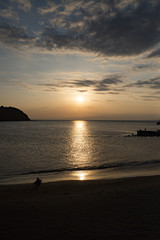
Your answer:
<point x="12" y="114"/>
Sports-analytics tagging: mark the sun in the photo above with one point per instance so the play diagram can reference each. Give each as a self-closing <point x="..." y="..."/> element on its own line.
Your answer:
<point x="80" y="99"/>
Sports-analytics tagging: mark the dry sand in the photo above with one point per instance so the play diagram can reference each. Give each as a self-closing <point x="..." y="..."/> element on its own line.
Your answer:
<point x="104" y="209"/>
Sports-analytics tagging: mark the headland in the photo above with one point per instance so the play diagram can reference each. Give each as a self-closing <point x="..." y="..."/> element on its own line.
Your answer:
<point x="12" y="114"/>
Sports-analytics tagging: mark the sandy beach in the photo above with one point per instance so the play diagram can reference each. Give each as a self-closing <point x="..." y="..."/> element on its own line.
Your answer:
<point x="100" y="209"/>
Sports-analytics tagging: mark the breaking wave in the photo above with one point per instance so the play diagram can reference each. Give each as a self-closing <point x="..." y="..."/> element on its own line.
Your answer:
<point x="116" y="165"/>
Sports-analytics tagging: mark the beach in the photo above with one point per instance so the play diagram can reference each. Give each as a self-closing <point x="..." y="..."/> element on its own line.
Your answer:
<point x="99" y="209"/>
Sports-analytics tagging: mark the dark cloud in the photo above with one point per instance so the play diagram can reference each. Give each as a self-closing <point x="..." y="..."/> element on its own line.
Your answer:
<point x="14" y="36"/>
<point x="48" y="85"/>
<point x="114" y="93"/>
<point x="155" y="53"/>
<point x="106" y="82"/>
<point x="23" y="4"/>
<point x="81" y="83"/>
<point x="102" y="88"/>
<point x="112" y="80"/>
<point x="142" y="67"/>
<point x="82" y="91"/>
<point x="9" y="14"/>
<point x="111" y="30"/>
<point x="104" y="85"/>
<point x="150" y="98"/>
<point x="104" y="27"/>
<point x="153" y="83"/>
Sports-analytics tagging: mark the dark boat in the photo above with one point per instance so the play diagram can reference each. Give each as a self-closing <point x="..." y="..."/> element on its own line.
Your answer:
<point x="145" y="133"/>
<point x="158" y="122"/>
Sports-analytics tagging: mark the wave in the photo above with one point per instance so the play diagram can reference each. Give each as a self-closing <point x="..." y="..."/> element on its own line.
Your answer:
<point x="117" y="165"/>
<point x="114" y="166"/>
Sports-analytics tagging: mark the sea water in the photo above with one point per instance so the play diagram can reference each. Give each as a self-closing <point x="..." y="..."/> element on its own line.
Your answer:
<point x="76" y="150"/>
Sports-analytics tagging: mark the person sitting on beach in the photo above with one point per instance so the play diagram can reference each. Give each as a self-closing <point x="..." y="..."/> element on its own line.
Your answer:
<point x="38" y="182"/>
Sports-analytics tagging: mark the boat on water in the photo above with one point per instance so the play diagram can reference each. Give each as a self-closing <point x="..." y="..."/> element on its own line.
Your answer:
<point x="146" y="133"/>
<point x="158" y="122"/>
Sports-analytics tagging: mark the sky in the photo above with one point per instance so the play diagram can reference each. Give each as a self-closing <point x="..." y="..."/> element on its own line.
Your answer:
<point x="85" y="59"/>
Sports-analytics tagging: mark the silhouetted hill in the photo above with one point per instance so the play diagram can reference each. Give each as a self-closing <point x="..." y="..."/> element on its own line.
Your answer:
<point x="12" y="114"/>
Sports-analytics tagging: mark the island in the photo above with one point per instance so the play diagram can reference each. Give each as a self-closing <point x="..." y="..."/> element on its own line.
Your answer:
<point x="12" y="114"/>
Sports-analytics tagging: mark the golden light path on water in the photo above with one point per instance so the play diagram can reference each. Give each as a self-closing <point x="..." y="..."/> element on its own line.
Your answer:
<point x="81" y="148"/>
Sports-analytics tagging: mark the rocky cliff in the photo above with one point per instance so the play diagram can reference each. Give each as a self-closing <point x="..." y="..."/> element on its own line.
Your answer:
<point x="12" y="114"/>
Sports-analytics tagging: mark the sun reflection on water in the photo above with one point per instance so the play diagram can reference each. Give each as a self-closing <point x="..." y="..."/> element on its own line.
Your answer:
<point x="80" y="175"/>
<point x="80" y="146"/>
<point x="79" y="124"/>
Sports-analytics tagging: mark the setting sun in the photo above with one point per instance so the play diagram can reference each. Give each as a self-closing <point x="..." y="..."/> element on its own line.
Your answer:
<point x="80" y="99"/>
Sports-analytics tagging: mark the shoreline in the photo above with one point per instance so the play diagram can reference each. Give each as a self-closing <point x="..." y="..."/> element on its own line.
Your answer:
<point x="100" y="179"/>
<point x="126" y="208"/>
<point x="82" y="175"/>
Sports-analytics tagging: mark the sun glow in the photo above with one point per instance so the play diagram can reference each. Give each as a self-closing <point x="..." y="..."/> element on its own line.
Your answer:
<point x="80" y="99"/>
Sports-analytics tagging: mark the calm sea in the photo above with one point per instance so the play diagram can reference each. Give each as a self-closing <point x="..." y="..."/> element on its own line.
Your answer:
<point x="60" y="150"/>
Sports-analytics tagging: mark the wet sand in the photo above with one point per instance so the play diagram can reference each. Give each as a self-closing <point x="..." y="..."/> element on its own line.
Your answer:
<point x="102" y="209"/>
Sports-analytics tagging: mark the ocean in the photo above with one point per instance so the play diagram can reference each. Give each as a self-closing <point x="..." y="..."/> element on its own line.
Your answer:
<point x="76" y="150"/>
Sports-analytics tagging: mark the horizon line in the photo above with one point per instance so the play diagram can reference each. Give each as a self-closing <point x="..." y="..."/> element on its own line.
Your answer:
<point x="115" y="120"/>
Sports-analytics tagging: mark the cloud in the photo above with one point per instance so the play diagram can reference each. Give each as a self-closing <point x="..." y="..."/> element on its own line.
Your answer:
<point x="155" y="53"/>
<point x="50" y="87"/>
<point x="112" y="80"/>
<point x="9" y="14"/>
<point x="107" y="84"/>
<point x="50" y="8"/>
<point x="81" y="83"/>
<point x="143" y="66"/>
<point x="150" y="98"/>
<point x="14" y="36"/>
<point x="82" y="91"/>
<point x="153" y="83"/>
<point x="108" y="28"/>
<point x="23" y="4"/>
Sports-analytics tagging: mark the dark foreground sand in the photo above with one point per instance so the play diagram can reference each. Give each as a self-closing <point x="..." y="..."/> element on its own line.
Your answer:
<point x="110" y="209"/>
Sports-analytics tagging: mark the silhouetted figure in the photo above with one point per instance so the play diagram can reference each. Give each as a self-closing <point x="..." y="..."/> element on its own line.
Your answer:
<point x="37" y="182"/>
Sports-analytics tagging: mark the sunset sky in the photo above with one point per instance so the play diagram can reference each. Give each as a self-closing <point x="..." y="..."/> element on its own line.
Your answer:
<point x="85" y="59"/>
